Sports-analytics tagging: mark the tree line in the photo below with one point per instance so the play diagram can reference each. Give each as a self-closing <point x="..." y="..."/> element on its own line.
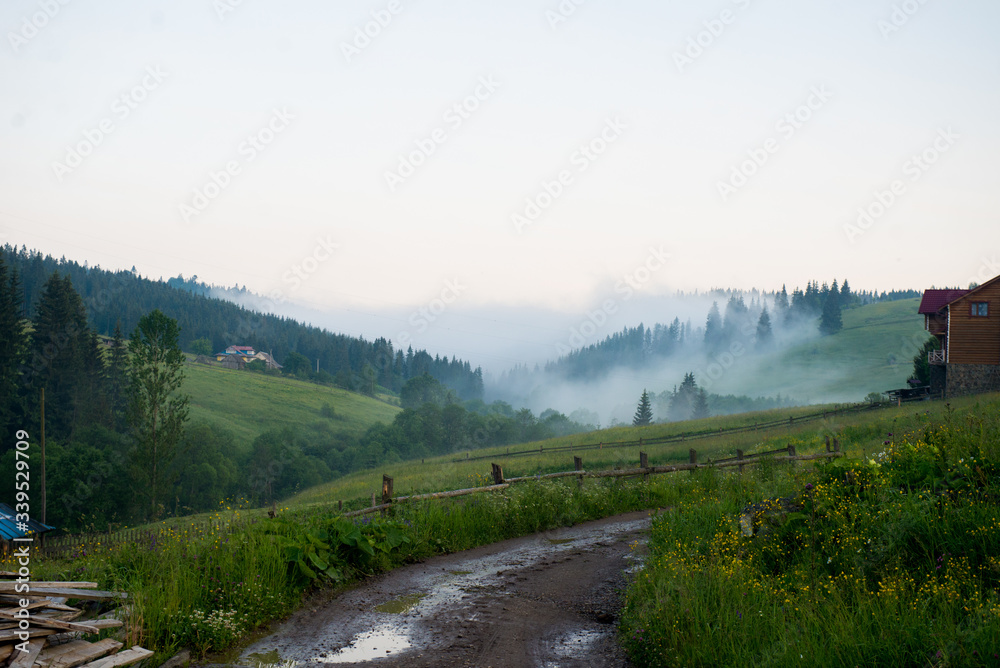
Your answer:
<point x="756" y="325"/>
<point x="123" y="297"/>
<point x="112" y="417"/>
<point x="119" y="448"/>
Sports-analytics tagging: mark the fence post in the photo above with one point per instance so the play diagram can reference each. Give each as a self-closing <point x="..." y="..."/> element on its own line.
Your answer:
<point x="739" y="457"/>
<point x="497" y="474"/>
<point x="692" y="458"/>
<point x="644" y="463"/>
<point x="386" y="493"/>
<point x="578" y="465"/>
<point x="340" y="505"/>
<point x="827" y="438"/>
<point x="836" y="445"/>
<point x="790" y="420"/>
<point x="791" y="450"/>
<point x="373" y="500"/>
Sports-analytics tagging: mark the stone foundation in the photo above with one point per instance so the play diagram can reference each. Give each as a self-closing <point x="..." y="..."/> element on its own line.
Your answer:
<point x="964" y="379"/>
<point x="938" y="380"/>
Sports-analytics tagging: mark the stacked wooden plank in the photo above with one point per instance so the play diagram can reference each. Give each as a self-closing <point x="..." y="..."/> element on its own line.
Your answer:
<point x="53" y="637"/>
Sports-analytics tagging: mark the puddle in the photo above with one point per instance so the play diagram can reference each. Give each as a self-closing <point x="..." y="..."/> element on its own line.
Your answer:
<point x="638" y="562"/>
<point x="383" y="640"/>
<point x="575" y="647"/>
<point x="361" y="632"/>
<point x="400" y="605"/>
<point x="259" y="660"/>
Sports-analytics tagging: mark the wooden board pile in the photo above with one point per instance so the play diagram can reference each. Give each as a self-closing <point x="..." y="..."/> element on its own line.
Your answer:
<point x="53" y="638"/>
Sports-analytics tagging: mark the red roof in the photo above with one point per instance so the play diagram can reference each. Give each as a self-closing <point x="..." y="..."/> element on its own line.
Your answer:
<point x="935" y="300"/>
<point x="242" y="347"/>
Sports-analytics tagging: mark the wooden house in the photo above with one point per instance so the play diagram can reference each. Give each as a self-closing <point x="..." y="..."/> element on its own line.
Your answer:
<point x="246" y="353"/>
<point x="967" y="324"/>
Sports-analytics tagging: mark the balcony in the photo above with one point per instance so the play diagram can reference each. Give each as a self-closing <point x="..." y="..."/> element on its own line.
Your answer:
<point x="935" y="357"/>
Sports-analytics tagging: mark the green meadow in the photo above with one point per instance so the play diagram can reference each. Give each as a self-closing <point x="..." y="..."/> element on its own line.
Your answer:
<point x="872" y="353"/>
<point x="249" y="403"/>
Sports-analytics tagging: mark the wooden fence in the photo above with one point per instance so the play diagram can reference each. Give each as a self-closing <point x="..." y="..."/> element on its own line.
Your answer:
<point x="500" y="482"/>
<point x="73" y="545"/>
<point x="791" y="421"/>
<point x="70" y="546"/>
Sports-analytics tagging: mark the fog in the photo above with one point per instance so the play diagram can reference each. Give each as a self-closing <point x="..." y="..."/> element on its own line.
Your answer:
<point x="514" y="345"/>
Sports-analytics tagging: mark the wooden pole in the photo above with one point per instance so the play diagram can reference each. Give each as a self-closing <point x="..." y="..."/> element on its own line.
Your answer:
<point x="739" y="457"/>
<point x="386" y="491"/>
<point x="827" y="439"/>
<point x="578" y="465"/>
<point x="497" y="474"/>
<point x="692" y="457"/>
<point x="644" y="464"/>
<point x="43" y="461"/>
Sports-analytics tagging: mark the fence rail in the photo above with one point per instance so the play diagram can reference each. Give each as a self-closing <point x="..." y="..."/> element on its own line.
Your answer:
<point x="71" y="546"/>
<point x="678" y="438"/>
<point x="645" y="470"/>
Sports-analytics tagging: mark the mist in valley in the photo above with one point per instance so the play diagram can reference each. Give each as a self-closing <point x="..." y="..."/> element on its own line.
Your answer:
<point x="576" y="362"/>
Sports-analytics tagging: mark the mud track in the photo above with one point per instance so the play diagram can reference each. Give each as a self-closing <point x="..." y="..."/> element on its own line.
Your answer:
<point x="551" y="599"/>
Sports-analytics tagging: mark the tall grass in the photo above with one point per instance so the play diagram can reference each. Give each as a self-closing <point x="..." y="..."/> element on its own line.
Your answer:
<point x="889" y="561"/>
<point x="206" y="588"/>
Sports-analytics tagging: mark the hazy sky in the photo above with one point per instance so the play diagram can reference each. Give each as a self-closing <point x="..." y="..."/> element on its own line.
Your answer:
<point x="527" y="154"/>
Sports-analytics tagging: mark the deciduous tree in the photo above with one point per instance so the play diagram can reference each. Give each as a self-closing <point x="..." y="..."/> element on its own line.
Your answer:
<point x="157" y="410"/>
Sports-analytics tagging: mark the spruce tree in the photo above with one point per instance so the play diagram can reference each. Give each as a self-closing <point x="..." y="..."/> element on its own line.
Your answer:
<point x="644" y="412"/>
<point x="682" y="401"/>
<point x="60" y="344"/>
<point x="846" y="298"/>
<point x="713" y="328"/>
<point x="13" y="343"/>
<point x="699" y="408"/>
<point x="831" y="322"/>
<point x="765" y="337"/>
<point x="781" y="302"/>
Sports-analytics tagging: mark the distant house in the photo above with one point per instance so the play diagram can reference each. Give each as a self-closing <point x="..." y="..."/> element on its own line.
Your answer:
<point x="268" y="360"/>
<point x="237" y="357"/>
<point x="233" y="362"/>
<point x="967" y="324"/>
<point x="246" y="353"/>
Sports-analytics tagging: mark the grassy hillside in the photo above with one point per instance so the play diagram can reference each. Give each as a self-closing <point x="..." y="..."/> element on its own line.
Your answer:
<point x="860" y="433"/>
<point x="249" y="403"/>
<point x="872" y="353"/>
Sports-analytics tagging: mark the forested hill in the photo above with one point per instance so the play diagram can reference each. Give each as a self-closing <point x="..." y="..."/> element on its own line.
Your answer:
<point x="124" y="297"/>
<point x="753" y="321"/>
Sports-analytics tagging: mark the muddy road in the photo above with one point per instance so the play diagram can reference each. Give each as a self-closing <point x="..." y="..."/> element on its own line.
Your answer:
<point x="548" y="600"/>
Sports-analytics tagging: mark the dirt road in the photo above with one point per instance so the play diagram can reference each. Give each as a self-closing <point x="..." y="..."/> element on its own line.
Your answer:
<point x="548" y="600"/>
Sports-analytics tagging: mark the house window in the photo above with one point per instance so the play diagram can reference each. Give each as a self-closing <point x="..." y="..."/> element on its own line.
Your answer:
<point x="980" y="309"/>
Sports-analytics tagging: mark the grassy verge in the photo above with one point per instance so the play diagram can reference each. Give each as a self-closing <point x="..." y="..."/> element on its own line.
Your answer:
<point x="888" y="560"/>
<point x="206" y="589"/>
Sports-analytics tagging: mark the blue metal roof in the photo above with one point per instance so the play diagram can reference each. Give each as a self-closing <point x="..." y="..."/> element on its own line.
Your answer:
<point x="8" y="524"/>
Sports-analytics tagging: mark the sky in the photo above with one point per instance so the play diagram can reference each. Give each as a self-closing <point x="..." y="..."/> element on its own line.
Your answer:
<point x="515" y="164"/>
